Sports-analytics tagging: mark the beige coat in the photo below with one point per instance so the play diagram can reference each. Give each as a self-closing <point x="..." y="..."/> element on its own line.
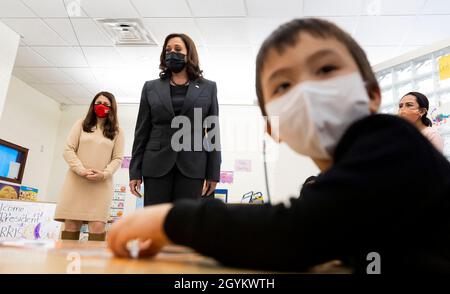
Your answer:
<point x="80" y="198"/>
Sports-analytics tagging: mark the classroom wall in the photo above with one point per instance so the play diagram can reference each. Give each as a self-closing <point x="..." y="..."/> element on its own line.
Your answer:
<point x="8" y="50"/>
<point x="241" y="138"/>
<point x="30" y="119"/>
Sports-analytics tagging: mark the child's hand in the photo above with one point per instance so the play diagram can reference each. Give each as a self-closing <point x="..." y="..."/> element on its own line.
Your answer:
<point x="146" y="225"/>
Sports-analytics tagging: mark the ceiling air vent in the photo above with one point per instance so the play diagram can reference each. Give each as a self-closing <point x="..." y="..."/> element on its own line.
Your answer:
<point x="126" y="31"/>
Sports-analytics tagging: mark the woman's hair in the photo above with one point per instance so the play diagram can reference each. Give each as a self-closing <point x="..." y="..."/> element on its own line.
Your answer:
<point x="422" y="100"/>
<point x="192" y="63"/>
<point x="288" y="34"/>
<point x="111" y="125"/>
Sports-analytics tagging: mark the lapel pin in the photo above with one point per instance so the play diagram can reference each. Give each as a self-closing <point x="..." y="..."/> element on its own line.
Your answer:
<point x="197" y="86"/>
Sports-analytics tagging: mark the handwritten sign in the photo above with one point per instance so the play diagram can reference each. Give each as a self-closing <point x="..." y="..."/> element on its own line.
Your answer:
<point x="28" y="220"/>
<point x="126" y="162"/>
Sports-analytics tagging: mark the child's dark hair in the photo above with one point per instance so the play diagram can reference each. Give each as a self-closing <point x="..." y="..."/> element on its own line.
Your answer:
<point x="288" y="34"/>
<point x="422" y="100"/>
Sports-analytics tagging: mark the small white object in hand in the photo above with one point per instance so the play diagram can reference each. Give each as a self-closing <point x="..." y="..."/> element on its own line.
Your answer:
<point x="133" y="248"/>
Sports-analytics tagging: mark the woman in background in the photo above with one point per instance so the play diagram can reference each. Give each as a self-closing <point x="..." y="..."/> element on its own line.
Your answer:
<point x="414" y="107"/>
<point x="94" y="151"/>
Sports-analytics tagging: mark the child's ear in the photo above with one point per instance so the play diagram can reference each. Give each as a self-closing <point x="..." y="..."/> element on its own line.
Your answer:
<point x="268" y="127"/>
<point x="375" y="100"/>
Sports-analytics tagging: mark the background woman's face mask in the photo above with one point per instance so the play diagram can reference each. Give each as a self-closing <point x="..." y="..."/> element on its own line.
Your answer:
<point x="314" y="115"/>
<point x="101" y="110"/>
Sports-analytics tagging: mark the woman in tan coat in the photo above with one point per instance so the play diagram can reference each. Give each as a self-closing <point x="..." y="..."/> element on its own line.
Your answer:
<point x="94" y="151"/>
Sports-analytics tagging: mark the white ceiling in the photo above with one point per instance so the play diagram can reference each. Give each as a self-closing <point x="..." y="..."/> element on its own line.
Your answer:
<point x="72" y="58"/>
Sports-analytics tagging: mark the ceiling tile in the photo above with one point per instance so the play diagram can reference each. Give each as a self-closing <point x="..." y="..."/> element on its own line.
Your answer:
<point x="63" y="28"/>
<point x="259" y="28"/>
<point x="14" y="8"/>
<point x="24" y="75"/>
<point x="89" y="33"/>
<point x="279" y="8"/>
<point x="224" y="31"/>
<point x="377" y="54"/>
<point x="109" y="9"/>
<point x="80" y="75"/>
<point x="49" y="91"/>
<point x="427" y="29"/>
<point x="47" y="75"/>
<point x="389" y="7"/>
<point x="26" y="57"/>
<point x="103" y="57"/>
<point x="436" y="7"/>
<point x="47" y="8"/>
<point x="62" y="56"/>
<point x="217" y="8"/>
<point x="143" y="56"/>
<point x="347" y="23"/>
<point x="74" y="9"/>
<point x="161" y="27"/>
<point x="394" y="30"/>
<point x="73" y="91"/>
<point x="35" y="32"/>
<point x="162" y="8"/>
<point x="332" y="8"/>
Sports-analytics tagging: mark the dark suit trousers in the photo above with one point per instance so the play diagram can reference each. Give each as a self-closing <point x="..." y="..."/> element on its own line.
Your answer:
<point x="171" y="187"/>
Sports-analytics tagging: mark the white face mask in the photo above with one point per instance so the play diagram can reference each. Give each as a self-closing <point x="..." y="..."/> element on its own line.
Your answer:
<point x="314" y="115"/>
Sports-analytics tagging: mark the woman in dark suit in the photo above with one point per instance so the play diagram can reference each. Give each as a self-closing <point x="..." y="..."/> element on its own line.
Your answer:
<point x="167" y="109"/>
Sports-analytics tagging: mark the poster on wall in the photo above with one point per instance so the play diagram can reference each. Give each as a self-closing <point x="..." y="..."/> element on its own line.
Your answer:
<point x="28" y="220"/>
<point x="226" y="177"/>
<point x="118" y="202"/>
<point x="126" y="162"/>
<point x="9" y="191"/>
<point x="243" y="165"/>
<point x="28" y="193"/>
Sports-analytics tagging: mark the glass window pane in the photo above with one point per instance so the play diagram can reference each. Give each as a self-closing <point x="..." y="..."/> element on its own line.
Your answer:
<point x="387" y="97"/>
<point x="388" y="110"/>
<point x="444" y="84"/>
<point x="432" y="103"/>
<point x="403" y="89"/>
<point x="404" y="74"/>
<point x="425" y="86"/>
<point x="445" y="98"/>
<point x="425" y="66"/>
<point x="385" y="80"/>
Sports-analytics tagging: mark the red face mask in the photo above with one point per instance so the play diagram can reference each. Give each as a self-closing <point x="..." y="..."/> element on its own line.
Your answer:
<point x="101" y="110"/>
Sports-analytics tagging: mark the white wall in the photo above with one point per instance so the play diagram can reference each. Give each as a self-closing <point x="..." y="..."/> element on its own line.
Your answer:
<point x="241" y="129"/>
<point x="8" y="50"/>
<point x="30" y="119"/>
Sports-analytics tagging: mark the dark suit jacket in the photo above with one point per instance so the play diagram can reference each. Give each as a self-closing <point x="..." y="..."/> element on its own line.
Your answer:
<point x="153" y="155"/>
